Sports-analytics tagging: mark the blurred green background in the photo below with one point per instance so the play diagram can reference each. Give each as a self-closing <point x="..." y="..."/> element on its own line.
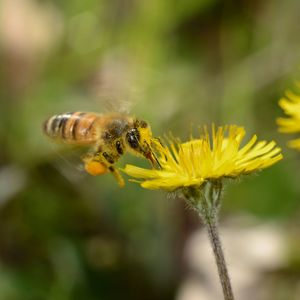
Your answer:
<point x="66" y="235"/>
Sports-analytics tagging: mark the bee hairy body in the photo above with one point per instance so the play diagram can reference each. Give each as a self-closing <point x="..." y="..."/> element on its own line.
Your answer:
<point x="109" y="135"/>
<point x="74" y="128"/>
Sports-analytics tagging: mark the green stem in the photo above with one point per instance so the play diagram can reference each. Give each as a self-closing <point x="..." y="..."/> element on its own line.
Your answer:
<point x="207" y="208"/>
<point x="212" y="229"/>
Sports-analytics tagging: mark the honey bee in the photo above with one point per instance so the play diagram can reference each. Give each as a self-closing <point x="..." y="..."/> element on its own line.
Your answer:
<point x="109" y="135"/>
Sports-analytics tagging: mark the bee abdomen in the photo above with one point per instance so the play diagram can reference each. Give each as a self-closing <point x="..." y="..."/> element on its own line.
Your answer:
<point x="72" y="127"/>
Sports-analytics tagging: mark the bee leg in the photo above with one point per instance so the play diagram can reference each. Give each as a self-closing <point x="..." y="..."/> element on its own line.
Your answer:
<point x="110" y="160"/>
<point x="98" y="162"/>
<point x="117" y="175"/>
<point x="93" y="166"/>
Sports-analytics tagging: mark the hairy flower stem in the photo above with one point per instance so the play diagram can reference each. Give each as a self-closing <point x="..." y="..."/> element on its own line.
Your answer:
<point x="207" y="205"/>
<point x="212" y="229"/>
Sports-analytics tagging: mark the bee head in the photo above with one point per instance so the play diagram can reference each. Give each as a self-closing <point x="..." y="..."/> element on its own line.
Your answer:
<point x="138" y="139"/>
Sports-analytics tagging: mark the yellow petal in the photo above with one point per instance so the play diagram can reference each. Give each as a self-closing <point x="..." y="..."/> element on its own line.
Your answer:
<point x="199" y="160"/>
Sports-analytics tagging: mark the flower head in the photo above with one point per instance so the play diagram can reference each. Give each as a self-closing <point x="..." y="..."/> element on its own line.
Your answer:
<point x="208" y="158"/>
<point x="291" y="106"/>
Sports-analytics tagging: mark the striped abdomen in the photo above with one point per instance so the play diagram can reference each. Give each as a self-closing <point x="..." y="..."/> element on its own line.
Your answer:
<point x="74" y="127"/>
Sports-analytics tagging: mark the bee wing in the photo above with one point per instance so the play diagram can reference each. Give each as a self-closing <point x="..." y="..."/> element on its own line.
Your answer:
<point x="116" y="84"/>
<point x="118" y="105"/>
<point x="68" y="161"/>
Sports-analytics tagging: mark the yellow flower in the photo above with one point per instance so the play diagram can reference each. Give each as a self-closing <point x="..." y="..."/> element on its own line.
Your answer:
<point x="209" y="158"/>
<point x="291" y="106"/>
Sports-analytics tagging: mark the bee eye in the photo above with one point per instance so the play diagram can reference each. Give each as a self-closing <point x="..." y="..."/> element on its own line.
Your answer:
<point x="133" y="138"/>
